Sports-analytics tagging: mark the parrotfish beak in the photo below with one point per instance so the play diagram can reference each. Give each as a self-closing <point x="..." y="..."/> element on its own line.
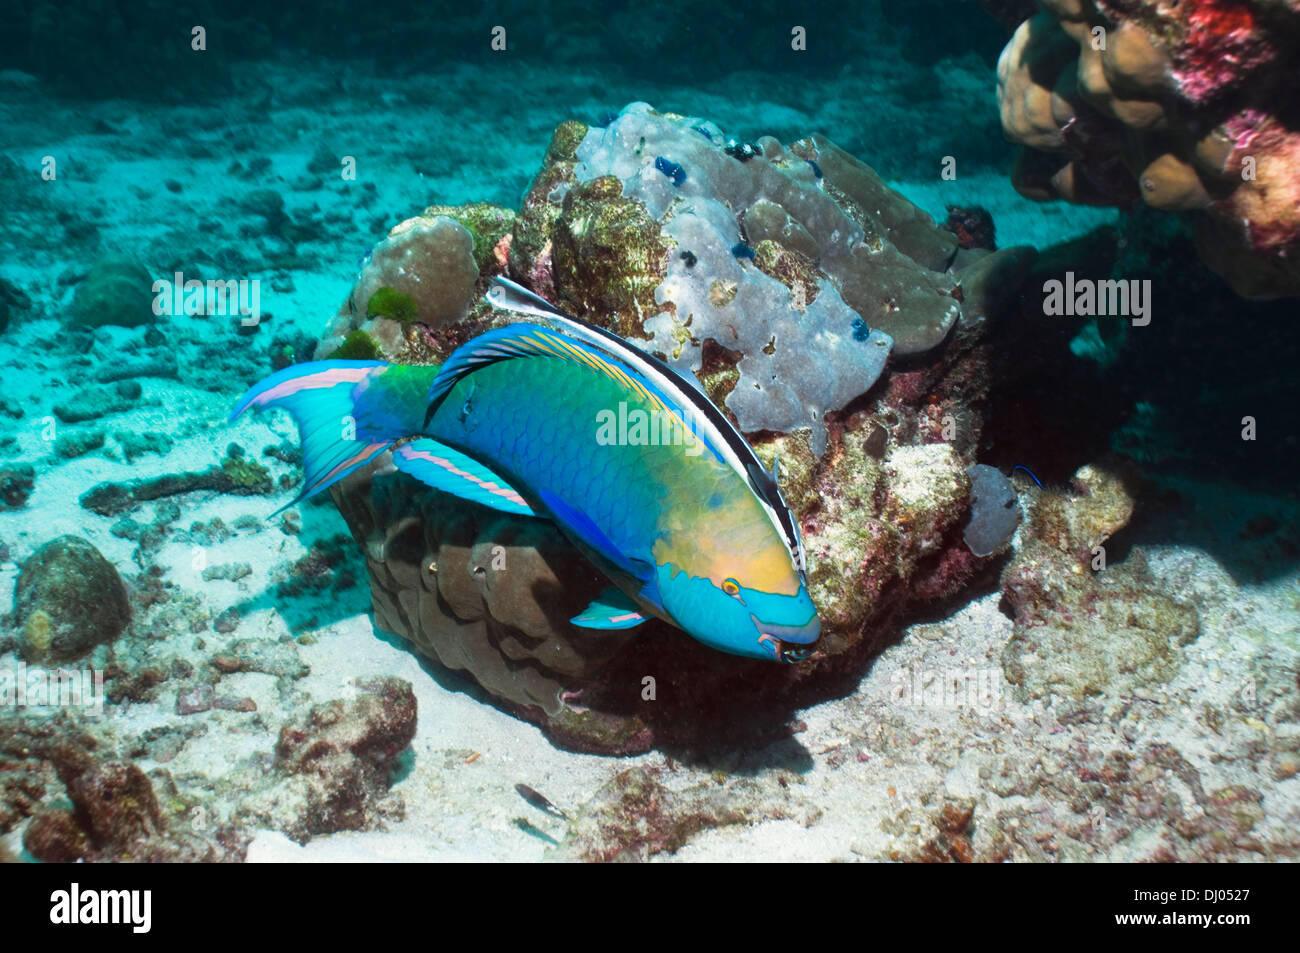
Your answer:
<point x="788" y="643"/>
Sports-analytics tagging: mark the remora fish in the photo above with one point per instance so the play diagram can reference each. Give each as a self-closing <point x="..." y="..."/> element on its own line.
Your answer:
<point x="569" y="422"/>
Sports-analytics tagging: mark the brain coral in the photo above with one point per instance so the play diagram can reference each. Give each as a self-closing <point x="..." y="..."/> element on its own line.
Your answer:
<point x="778" y="276"/>
<point x="1186" y="106"/>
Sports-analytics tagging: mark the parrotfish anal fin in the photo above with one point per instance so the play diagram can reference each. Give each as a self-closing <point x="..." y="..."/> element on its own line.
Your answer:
<point x="320" y="396"/>
<point x="612" y="609"/>
<point x="581" y="526"/>
<point x="451" y="471"/>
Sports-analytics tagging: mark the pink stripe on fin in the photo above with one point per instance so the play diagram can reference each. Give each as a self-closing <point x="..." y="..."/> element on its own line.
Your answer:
<point x="507" y="493"/>
<point x="335" y="375"/>
<point x="351" y="461"/>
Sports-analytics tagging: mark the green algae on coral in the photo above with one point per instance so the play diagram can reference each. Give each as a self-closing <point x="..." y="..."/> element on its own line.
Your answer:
<point x="767" y="221"/>
<point x="530" y="244"/>
<point x="357" y="346"/>
<point x="389" y="303"/>
<point x="430" y="260"/>
<point x="565" y="141"/>
<point x="792" y="269"/>
<point x="246" y="475"/>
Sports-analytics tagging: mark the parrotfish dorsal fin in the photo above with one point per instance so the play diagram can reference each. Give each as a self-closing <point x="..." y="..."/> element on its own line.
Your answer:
<point x="532" y="340"/>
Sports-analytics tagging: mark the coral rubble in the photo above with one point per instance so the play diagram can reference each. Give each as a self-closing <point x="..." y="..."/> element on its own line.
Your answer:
<point x="1082" y="627"/>
<point x="67" y="600"/>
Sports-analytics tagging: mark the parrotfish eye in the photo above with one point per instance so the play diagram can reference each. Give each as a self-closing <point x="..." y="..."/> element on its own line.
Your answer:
<point x="731" y="587"/>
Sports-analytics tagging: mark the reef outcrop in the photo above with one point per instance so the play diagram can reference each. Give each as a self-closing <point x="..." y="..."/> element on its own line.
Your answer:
<point x="1085" y="628"/>
<point x="828" y="316"/>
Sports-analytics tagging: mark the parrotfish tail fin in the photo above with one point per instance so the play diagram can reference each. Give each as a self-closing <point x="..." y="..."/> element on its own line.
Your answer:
<point x="324" y="398"/>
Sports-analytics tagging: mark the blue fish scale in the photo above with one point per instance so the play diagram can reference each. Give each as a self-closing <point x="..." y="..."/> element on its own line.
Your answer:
<point x="534" y="422"/>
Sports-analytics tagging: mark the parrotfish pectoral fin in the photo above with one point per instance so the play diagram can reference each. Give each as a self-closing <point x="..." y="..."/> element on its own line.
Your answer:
<point x="451" y="471"/>
<point x="320" y="397"/>
<point x="581" y="526"/>
<point x="612" y="609"/>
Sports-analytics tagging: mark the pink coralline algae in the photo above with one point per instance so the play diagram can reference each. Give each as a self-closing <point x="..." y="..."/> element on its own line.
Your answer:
<point x="1221" y="44"/>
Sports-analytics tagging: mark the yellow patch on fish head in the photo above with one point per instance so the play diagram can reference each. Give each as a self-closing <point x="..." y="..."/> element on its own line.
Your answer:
<point x="737" y="543"/>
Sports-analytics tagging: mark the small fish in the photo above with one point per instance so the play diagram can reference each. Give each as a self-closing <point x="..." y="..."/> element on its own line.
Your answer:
<point x="743" y="151"/>
<point x="539" y="800"/>
<point x="537" y="832"/>
<point x="741" y="250"/>
<point x="671" y="169"/>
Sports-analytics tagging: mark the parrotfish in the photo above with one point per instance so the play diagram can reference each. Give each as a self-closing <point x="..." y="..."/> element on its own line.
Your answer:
<point x="558" y="419"/>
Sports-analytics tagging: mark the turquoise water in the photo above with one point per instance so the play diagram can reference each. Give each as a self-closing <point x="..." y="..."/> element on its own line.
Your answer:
<point x="274" y="155"/>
